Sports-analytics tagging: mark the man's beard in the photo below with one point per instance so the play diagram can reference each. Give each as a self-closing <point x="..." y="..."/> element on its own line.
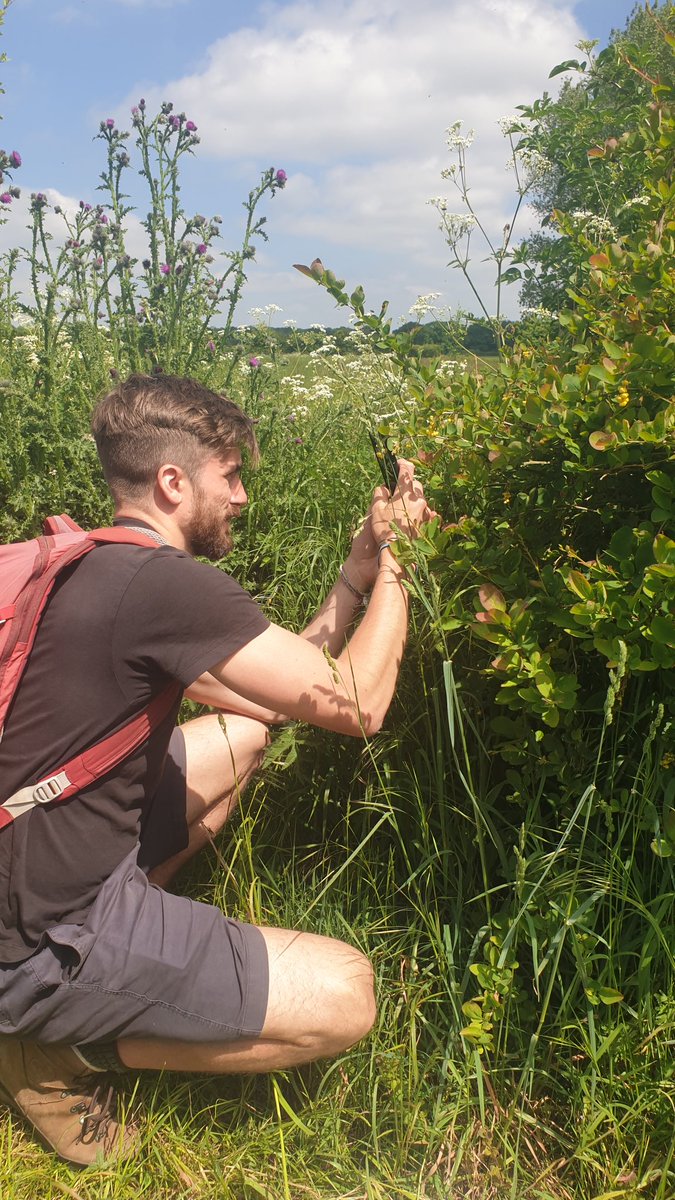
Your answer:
<point x="209" y="533"/>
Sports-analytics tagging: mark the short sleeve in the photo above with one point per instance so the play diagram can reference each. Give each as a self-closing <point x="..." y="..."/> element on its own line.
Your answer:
<point x="179" y="617"/>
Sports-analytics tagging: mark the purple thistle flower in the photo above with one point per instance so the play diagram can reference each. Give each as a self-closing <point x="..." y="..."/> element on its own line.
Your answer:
<point x="211" y="347"/>
<point x="201" y="248"/>
<point x="141" y="103"/>
<point x="135" y="110"/>
<point x="174" y="122"/>
<point x="298" y="441"/>
<point x="103" y="219"/>
<point x="110" y="123"/>
<point x="5" y="198"/>
<point x="254" y="362"/>
<point x="190" y="126"/>
<point x="15" y="158"/>
<point x="146" y="264"/>
<point x="280" y="178"/>
<point x="165" y="268"/>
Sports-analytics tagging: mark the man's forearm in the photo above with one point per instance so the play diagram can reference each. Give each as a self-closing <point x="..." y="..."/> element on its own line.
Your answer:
<point x="329" y="626"/>
<point x="371" y="660"/>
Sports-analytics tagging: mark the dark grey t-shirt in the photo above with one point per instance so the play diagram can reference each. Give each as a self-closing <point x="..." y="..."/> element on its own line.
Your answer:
<point x="120" y="625"/>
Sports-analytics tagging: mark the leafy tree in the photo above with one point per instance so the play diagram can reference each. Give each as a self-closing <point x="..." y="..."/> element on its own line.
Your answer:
<point x="600" y="194"/>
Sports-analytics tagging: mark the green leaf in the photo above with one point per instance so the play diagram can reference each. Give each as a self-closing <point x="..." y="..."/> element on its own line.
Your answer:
<point x="599" y="372"/>
<point x="602" y="439"/>
<point x="613" y="349"/>
<point x="664" y="549"/>
<point x="472" y="1010"/>
<point x="578" y="584"/>
<point x="609" y="995"/>
<point x="660" y="479"/>
<point x="570" y="64"/>
<point x="551" y="718"/>
<point x="622" y="542"/>
<point x="663" y="630"/>
<point x="571" y="383"/>
<point x="491" y="597"/>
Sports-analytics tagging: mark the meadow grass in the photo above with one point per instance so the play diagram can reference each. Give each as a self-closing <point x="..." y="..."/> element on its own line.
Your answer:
<point x="406" y="847"/>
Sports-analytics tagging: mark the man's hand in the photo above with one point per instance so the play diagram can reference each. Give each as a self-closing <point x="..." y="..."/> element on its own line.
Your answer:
<point x="407" y="509"/>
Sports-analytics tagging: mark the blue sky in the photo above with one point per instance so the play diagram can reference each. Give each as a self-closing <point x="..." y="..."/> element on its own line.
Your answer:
<point x="351" y="97"/>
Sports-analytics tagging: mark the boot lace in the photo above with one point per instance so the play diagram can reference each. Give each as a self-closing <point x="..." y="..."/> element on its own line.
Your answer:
<point x="99" y="1112"/>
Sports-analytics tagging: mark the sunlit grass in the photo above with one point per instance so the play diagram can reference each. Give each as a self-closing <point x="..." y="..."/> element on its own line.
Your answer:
<point x="408" y="848"/>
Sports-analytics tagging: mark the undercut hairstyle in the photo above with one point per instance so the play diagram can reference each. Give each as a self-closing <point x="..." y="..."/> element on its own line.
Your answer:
<point x="149" y="420"/>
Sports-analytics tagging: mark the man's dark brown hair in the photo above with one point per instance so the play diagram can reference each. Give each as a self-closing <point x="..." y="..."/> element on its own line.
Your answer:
<point x="149" y="420"/>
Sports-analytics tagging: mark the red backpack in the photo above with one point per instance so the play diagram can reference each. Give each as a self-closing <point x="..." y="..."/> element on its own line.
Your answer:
<point x="27" y="574"/>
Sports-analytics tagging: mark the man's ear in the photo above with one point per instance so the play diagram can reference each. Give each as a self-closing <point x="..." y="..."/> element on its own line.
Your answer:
<point x="172" y="485"/>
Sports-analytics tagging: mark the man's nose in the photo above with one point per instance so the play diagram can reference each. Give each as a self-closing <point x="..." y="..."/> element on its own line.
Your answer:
<point x="238" y="496"/>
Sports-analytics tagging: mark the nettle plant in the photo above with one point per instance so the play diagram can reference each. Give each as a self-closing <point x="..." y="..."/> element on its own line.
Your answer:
<point x="153" y="310"/>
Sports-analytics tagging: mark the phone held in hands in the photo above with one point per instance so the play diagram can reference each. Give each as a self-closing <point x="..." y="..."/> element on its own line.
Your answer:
<point x="386" y="461"/>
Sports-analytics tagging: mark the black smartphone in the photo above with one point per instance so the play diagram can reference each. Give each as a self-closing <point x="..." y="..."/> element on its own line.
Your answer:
<point x="387" y="462"/>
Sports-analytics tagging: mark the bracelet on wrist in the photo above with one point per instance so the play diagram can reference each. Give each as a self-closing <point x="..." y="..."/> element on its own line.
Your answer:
<point x="359" y="597"/>
<point x="384" y="546"/>
<point x="387" y="546"/>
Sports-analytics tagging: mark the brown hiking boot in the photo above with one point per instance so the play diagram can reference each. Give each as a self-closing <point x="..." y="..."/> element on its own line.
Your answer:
<point x="73" y="1111"/>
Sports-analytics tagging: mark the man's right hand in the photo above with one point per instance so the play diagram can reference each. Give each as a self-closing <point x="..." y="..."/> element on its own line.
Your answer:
<point x="406" y="510"/>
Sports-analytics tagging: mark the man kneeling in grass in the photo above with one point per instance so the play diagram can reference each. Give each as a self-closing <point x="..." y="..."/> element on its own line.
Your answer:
<point x="101" y="968"/>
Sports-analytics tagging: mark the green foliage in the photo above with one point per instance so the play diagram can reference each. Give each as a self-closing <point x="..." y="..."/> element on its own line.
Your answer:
<point x="550" y="585"/>
<point x="598" y="192"/>
<point x="95" y="313"/>
<point x="504" y="851"/>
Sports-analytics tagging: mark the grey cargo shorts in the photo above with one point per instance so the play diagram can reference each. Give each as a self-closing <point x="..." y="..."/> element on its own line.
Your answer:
<point x="145" y="963"/>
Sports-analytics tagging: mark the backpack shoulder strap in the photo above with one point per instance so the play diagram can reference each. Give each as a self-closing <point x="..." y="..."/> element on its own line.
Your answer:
<point x="94" y="763"/>
<point x="61" y="524"/>
<point x="40" y="562"/>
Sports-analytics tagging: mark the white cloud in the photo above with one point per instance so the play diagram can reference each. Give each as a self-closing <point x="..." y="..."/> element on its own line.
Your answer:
<point x="350" y="78"/>
<point x="353" y="98"/>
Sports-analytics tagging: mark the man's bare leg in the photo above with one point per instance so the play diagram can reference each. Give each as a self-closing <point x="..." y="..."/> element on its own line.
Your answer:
<point x="321" y="997"/>
<point x="219" y="764"/>
<point x="321" y="1001"/>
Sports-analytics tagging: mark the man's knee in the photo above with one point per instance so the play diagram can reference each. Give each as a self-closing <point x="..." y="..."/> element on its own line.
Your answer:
<point x="321" y="992"/>
<point x="222" y="752"/>
<point x="360" y="1004"/>
<point x="349" y="1001"/>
